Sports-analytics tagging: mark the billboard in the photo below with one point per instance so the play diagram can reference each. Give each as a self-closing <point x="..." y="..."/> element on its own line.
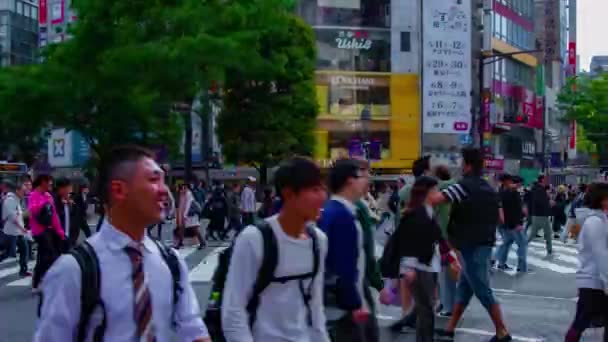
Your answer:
<point x="446" y="70"/>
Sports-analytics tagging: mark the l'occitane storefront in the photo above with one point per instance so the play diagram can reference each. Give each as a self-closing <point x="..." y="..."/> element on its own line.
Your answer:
<point x="371" y="114"/>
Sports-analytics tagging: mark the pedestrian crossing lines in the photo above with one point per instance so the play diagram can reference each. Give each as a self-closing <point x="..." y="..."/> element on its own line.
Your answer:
<point x="200" y="269"/>
<point x="564" y="259"/>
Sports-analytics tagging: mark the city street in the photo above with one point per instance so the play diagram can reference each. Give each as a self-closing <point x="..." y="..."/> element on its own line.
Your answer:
<point x="538" y="306"/>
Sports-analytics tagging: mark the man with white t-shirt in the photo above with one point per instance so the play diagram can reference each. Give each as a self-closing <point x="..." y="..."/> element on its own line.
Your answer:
<point x="289" y="310"/>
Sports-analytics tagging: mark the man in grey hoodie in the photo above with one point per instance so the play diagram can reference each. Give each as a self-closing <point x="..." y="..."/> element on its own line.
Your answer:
<point x="592" y="274"/>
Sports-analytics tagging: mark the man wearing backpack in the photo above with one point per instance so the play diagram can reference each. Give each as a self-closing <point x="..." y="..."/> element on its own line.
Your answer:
<point x="349" y="300"/>
<point x="120" y="285"/>
<point x="274" y="286"/>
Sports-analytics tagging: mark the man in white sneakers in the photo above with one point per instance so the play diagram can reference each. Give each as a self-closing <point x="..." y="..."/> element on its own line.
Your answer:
<point x="120" y="285"/>
<point x="280" y="300"/>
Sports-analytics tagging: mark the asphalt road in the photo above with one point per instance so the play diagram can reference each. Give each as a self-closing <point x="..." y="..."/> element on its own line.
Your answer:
<point x="537" y="306"/>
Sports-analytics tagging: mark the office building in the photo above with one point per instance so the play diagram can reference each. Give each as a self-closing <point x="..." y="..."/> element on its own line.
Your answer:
<point x="18" y="32"/>
<point x="367" y="80"/>
<point x="511" y="119"/>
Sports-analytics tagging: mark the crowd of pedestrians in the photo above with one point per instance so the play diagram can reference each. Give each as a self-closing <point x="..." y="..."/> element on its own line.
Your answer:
<point x="301" y="265"/>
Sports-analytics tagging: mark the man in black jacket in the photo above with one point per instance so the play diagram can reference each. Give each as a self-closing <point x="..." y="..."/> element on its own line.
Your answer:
<point x="540" y="213"/>
<point x="512" y="229"/>
<point x="472" y="230"/>
<point x="81" y="204"/>
<point x="65" y="210"/>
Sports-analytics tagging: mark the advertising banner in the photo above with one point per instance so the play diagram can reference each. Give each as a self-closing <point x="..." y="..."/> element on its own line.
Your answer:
<point x="57" y="12"/>
<point x="42" y="12"/>
<point x="446" y="85"/>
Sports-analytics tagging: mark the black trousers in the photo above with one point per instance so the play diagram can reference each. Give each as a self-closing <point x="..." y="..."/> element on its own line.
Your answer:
<point x="346" y="329"/>
<point x="49" y="249"/>
<point x="592" y="307"/>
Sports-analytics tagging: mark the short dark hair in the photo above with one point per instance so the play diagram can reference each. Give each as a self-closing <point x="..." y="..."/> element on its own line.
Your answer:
<point x="339" y="174"/>
<point x="40" y="179"/>
<point x="473" y="158"/>
<point x="421" y="165"/>
<point x="62" y="182"/>
<point x="110" y="166"/>
<point x="297" y="173"/>
<point x="597" y="194"/>
<point x="541" y="178"/>
<point x="443" y="173"/>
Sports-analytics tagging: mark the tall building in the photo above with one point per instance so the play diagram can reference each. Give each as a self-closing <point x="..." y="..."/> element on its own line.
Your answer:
<point x="18" y="32"/>
<point x="598" y="64"/>
<point x="367" y="80"/>
<point x="511" y="138"/>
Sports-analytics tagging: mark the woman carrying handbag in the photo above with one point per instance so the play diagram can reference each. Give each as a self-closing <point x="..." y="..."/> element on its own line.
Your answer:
<point x="414" y="253"/>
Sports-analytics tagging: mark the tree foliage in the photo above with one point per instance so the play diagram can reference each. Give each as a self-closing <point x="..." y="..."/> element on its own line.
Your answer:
<point x="585" y="100"/>
<point x="270" y="110"/>
<point x="129" y="62"/>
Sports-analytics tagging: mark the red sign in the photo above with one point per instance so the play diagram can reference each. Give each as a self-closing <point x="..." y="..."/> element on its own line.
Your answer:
<point x="571" y="67"/>
<point x="572" y="143"/>
<point x="572" y="53"/>
<point x="495" y="164"/>
<point x="528" y="106"/>
<point x="539" y="112"/>
<point x="42" y="12"/>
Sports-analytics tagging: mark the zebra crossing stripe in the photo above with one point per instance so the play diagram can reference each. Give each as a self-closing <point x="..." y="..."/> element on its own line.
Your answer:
<point x="203" y="272"/>
<point x="556" y="248"/>
<point x="184" y="253"/>
<point x="9" y="271"/>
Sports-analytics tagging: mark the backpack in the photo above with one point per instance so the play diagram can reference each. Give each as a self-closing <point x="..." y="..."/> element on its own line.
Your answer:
<point x="91" y="285"/>
<point x="266" y="276"/>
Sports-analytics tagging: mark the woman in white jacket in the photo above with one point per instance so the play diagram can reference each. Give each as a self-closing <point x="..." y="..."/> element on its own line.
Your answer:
<point x="592" y="274"/>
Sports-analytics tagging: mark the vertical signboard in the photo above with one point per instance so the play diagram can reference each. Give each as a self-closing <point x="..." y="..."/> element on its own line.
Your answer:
<point x="57" y="12"/>
<point x="446" y="85"/>
<point x="42" y="12"/>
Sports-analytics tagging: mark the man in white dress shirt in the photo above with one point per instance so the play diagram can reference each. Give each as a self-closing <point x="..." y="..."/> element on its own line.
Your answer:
<point x="131" y="186"/>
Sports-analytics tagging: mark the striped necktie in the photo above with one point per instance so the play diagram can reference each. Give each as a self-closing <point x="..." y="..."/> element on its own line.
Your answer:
<point x="142" y="309"/>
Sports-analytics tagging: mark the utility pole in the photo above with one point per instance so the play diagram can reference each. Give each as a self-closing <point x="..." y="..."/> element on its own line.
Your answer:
<point x="185" y="110"/>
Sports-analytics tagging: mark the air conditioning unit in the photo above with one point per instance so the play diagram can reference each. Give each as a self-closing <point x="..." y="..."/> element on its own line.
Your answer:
<point x="487" y="5"/>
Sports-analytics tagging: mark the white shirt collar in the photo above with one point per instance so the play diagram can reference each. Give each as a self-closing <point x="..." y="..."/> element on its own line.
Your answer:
<point x="348" y="204"/>
<point x="117" y="240"/>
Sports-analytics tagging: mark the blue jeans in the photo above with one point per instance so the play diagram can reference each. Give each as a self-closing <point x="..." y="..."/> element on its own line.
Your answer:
<point x="447" y="289"/>
<point x="12" y="243"/>
<point x="475" y="277"/>
<point x="508" y="237"/>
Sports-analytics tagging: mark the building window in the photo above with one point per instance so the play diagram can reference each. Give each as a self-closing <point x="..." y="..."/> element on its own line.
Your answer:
<point x="406" y="44"/>
<point x="353" y="50"/>
<point x="352" y="13"/>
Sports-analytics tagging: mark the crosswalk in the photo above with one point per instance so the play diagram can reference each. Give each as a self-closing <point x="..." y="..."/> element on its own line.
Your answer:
<point x="201" y="269"/>
<point x="564" y="261"/>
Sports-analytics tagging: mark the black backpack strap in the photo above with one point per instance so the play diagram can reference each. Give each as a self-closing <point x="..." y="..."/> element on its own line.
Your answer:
<point x="90" y="290"/>
<point x="316" y="258"/>
<point x="172" y="262"/>
<point x="270" y="259"/>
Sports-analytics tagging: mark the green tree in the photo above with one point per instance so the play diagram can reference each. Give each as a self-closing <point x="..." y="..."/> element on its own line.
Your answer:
<point x="22" y="121"/>
<point x="270" y="109"/>
<point x="584" y="99"/>
<point x="129" y="63"/>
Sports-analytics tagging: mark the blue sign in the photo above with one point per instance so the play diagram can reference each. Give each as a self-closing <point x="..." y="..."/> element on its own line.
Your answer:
<point x="465" y="139"/>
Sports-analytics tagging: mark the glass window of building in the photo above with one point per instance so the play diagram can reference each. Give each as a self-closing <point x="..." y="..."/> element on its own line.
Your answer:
<point x="353" y="50"/>
<point x="353" y="97"/>
<point x="350" y="13"/>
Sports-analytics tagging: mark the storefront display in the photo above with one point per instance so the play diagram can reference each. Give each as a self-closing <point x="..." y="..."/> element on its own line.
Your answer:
<point x="350" y="97"/>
